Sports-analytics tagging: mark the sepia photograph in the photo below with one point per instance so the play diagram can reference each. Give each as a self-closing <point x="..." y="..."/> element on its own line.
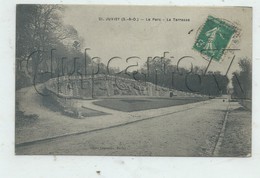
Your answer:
<point x="124" y="80"/>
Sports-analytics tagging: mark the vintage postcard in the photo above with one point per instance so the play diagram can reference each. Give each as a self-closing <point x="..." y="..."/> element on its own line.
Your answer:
<point x="133" y="80"/>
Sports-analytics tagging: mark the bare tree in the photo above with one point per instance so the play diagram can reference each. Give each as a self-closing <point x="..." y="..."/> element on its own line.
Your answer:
<point x="40" y="28"/>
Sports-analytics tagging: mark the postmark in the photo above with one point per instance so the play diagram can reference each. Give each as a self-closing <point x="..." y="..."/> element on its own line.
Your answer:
<point x="214" y="37"/>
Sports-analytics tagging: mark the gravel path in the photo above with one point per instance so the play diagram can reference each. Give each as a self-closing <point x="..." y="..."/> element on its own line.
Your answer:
<point x="187" y="130"/>
<point x="52" y="124"/>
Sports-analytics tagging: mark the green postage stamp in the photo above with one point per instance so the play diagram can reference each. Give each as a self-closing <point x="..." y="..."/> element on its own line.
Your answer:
<point x="214" y="38"/>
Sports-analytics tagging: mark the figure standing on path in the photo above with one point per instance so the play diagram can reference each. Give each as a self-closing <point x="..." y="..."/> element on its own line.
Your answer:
<point x="212" y="34"/>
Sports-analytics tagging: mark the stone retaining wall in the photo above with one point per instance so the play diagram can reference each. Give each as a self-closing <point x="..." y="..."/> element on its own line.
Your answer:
<point x="88" y="87"/>
<point x="81" y="87"/>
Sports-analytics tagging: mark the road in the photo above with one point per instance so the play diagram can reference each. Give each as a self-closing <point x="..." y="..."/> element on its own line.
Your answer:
<point x="189" y="130"/>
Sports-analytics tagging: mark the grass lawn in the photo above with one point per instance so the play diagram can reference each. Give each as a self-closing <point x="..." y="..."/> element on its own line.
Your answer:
<point x="138" y="104"/>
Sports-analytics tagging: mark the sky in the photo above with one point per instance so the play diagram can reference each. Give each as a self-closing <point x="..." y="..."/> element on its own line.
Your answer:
<point x="143" y="38"/>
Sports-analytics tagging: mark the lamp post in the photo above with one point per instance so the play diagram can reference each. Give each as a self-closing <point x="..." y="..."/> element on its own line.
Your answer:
<point x="156" y="79"/>
<point x="92" y="80"/>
